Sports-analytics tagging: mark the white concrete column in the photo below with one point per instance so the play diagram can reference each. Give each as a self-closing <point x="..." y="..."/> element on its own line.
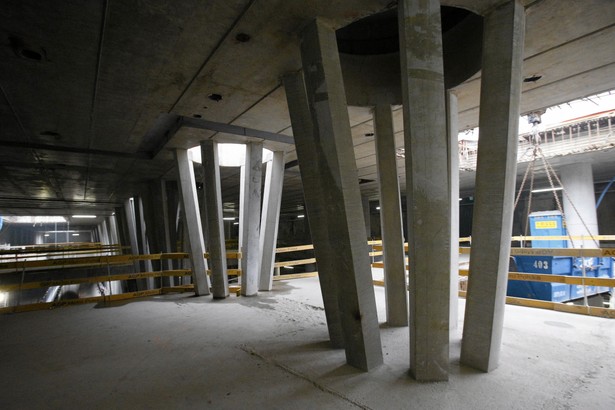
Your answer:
<point x="428" y="192"/>
<point x="213" y="221"/>
<point x="503" y="38"/>
<point x="250" y="218"/>
<point x="145" y="250"/>
<point x="190" y="206"/>
<point x="333" y="200"/>
<point x="166" y="231"/>
<point x="390" y="218"/>
<point x="272" y="199"/>
<point x="453" y="166"/>
<point x="129" y="212"/>
<point x="303" y="130"/>
<point x="114" y="237"/>
<point x="580" y="203"/>
<point x="104" y="233"/>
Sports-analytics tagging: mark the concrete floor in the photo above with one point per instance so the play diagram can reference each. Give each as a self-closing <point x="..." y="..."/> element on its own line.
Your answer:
<point x="271" y="352"/>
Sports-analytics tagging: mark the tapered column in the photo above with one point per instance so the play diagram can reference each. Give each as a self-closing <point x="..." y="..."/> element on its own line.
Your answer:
<point x="453" y="166"/>
<point x="213" y="219"/>
<point x="390" y="218"/>
<point x="495" y="185"/>
<point x="129" y="213"/>
<point x="580" y="203"/>
<point x="274" y="180"/>
<point x="147" y="283"/>
<point x="333" y="199"/>
<point x="166" y="264"/>
<point x="104" y="233"/>
<point x="190" y="205"/>
<point x="428" y="192"/>
<point x="303" y="131"/>
<point x="250" y="218"/>
<point x="113" y="231"/>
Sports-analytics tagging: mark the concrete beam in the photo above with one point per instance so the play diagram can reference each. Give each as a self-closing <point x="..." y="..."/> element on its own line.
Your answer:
<point x="428" y="193"/>
<point x="495" y="185"/>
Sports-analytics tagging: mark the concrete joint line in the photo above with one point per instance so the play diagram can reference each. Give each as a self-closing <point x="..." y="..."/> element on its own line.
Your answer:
<point x="251" y="351"/>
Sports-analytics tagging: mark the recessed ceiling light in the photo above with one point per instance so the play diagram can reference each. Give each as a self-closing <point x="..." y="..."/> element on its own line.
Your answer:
<point x="557" y="188"/>
<point x="532" y="79"/>
<point x="215" y="97"/>
<point x="84" y="216"/>
<point x="243" y="37"/>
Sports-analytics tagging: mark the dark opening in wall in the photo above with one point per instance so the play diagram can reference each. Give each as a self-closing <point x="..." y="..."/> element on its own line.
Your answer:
<point x="379" y="33"/>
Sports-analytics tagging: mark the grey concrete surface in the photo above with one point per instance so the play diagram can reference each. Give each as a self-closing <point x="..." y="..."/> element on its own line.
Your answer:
<point x="452" y="129"/>
<point x="271" y="352"/>
<point x="213" y="222"/>
<point x="270" y="218"/>
<point x="194" y="230"/>
<point x="495" y="185"/>
<point x="579" y="203"/>
<point x="250" y="218"/>
<point x="333" y="198"/>
<point x="390" y="218"/>
<point x="428" y="193"/>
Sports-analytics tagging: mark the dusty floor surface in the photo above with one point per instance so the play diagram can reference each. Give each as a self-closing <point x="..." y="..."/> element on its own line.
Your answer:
<point x="271" y="352"/>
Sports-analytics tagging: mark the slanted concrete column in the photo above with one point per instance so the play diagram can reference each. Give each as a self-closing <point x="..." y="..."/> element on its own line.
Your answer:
<point x="333" y="200"/>
<point x="190" y="206"/>
<point x="147" y="283"/>
<point x="113" y="231"/>
<point x="250" y="218"/>
<point x="272" y="199"/>
<point x="104" y="233"/>
<point x="427" y="180"/>
<point x="453" y="166"/>
<point x="303" y="131"/>
<point x="390" y="218"/>
<point x="580" y="203"/>
<point x="129" y="213"/>
<point x="366" y="216"/>
<point x="495" y="185"/>
<point x="214" y="223"/>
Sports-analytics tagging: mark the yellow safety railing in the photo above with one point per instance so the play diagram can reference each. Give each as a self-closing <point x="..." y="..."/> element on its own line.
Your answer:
<point x="14" y="266"/>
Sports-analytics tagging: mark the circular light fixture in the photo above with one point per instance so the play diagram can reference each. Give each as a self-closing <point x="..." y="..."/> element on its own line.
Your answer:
<point x="229" y="155"/>
<point x="215" y="97"/>
<point x="242" y="37"/>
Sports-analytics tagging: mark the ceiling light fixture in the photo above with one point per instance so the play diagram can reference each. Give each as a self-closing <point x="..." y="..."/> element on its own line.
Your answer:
<point x="558" y="188"/>
<point x="34" y="219"/>
<point x="84" y="216"/>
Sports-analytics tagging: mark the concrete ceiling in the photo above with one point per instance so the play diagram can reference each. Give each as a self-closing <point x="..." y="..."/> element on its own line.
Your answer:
<point x="85" y="86"/>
